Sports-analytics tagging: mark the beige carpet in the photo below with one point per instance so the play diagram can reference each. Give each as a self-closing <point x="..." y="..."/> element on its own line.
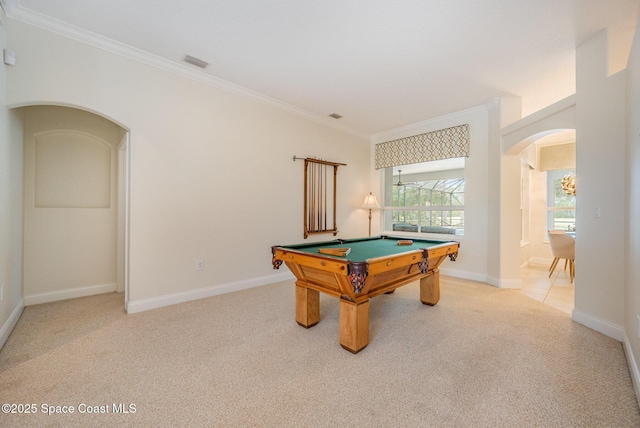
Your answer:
<point x="483" y="357"/>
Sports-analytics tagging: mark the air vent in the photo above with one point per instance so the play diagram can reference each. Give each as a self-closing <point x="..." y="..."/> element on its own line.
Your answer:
<point x="335" y="115"/>
<point x="196" y="61"/>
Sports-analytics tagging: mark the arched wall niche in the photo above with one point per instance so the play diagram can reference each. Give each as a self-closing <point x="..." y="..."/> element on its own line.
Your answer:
<point x="114" y="120"/>
<point x="116" y="207"/>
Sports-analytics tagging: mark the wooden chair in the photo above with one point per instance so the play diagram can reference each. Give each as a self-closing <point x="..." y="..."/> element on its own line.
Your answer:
<point x="563" y="246"/>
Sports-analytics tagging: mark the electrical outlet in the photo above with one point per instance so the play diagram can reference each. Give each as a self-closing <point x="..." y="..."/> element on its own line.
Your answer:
<point x="638" y="316"/>
<point x="199" y="265"/>
<point x="2" y="293"/>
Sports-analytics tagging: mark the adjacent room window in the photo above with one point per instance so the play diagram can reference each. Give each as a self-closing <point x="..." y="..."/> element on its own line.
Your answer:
<point x="425" y="197"/>
<point x="561" y="206"/>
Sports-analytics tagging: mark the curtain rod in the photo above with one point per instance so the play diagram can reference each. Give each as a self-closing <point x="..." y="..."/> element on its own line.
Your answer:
<point x="295" y="158"/>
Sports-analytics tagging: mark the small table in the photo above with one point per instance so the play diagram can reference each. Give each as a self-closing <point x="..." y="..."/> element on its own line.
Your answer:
<point x="373" y="266"/>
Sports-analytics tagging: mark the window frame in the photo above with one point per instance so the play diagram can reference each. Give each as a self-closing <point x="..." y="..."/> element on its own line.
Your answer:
<point x="392" y="212"/>
<point x="550" y="209"/>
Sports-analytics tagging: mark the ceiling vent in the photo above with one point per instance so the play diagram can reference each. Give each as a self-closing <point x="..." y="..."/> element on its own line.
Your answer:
<point x="196" y="61"/>
<point x="335" y="115"/>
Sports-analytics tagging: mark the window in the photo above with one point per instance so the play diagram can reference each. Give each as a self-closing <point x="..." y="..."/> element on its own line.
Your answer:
<point x="425" y="198"/>
<point x="561" y="206"/>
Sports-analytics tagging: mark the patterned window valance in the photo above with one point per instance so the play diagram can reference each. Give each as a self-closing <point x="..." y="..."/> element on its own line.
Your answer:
<point x="442" y="144"/>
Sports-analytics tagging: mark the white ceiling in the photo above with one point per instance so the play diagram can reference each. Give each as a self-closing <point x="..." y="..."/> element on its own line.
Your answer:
<point x="381" y="64"/>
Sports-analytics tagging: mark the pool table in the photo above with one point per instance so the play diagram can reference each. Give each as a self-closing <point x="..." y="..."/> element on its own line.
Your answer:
<point x="373" y="266"/>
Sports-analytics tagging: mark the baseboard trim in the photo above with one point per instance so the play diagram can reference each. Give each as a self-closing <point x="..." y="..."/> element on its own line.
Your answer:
<point x="632" y="362"/>
<point x="135" y="306"/>
<point x="69" y="293"/>
<point x="504" y="283"/>
<point x="463" y="275"/>
<point x="496" y="282"/>
<point x="511" y="283"/>
<point x="613" y="331"/>
<point x="493" y="281"/>
<point x="9" y="325"/>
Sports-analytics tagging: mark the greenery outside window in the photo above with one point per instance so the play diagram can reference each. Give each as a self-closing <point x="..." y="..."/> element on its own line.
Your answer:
<point x="561" y="207"/>
<point x="424" y="198"/>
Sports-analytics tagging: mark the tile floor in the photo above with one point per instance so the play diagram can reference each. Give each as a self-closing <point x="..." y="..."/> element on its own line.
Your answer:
<point x="557" y="291"/>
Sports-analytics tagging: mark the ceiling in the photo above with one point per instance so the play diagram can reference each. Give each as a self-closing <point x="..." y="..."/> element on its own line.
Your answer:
<point x="381" y="64"/>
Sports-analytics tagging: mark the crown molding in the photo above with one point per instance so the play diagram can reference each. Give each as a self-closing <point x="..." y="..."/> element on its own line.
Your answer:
<point x="66" y="30"/>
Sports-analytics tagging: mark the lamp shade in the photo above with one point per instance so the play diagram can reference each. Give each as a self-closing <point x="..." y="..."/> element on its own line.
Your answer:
<point x="370" y="202"/>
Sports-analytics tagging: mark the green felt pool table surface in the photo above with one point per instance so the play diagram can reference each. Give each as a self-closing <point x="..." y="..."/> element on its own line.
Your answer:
<point x="363" y="249"/>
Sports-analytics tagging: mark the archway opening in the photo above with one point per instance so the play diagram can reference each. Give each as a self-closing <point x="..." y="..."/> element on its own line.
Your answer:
<point x="75" y="205"/>
<point x="546" y="158"/>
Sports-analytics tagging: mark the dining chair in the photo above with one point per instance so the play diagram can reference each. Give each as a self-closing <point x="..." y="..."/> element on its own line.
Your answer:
<point x="563" y="246"/>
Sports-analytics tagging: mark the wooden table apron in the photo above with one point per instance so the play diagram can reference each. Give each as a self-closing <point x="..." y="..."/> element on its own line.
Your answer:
<point x="356" y="282"/>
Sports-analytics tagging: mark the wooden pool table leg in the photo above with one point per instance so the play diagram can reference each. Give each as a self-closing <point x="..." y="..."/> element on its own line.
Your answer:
<point x="307" y="306"/>
<point x="354" y="325"/>
<point x="430" y="288"/>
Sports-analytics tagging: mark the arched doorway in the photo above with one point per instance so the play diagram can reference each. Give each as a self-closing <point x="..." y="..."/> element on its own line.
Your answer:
<point x="552" y="128"/>
<point x="75" y="170"/>
<point x="546" y="206"/>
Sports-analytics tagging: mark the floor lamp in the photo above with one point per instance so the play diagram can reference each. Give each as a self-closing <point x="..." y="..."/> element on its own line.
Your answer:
<point x="370" y="203"/>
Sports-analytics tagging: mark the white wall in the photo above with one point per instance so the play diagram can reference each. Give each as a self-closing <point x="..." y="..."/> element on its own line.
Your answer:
<point x="597" y="112"/>
<point x="11" y="304"/>
<point x="504" y="226"/>
<point x="212" y="175"/>
<point x="632" y="247"/>
<point x="600" y="160"/>
<point x="472" y="258"/>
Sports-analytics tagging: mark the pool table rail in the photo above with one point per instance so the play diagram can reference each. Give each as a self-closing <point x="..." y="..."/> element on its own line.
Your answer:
<point x="362" y="276"/>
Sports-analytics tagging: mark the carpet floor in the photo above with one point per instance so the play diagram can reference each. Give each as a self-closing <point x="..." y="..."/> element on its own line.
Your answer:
<point x="482" y="357"/>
